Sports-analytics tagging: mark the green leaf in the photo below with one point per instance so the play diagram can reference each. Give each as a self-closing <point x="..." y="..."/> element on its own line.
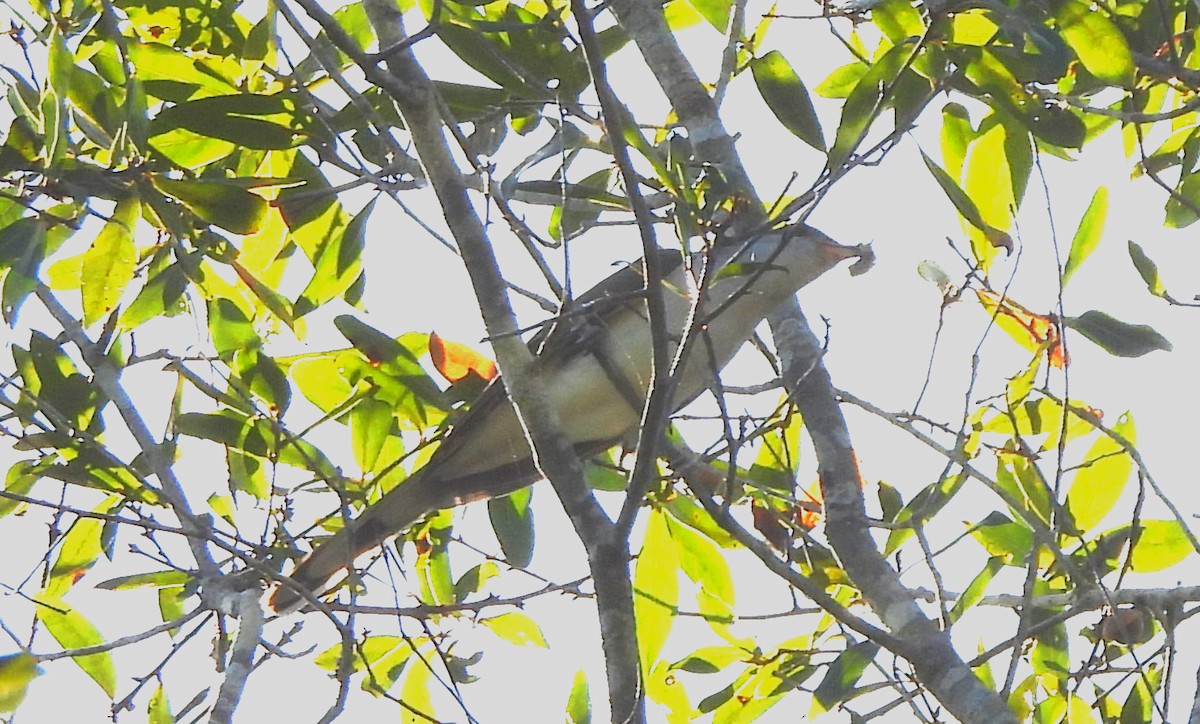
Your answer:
<point x="321" y="381"/>
<point x="470" y="102"/>
<point x="1159" y="545"/>
<point x="1117" y="337"/>
<point x="23" y="247"/>
<point x="1101" y="477"/>
<point x="50" y="373"/>
<point x="579" y="702"/>
<point x="1147" y="269"/>
<point x="383" y="656"/>
<point x="570" y="219"/>
<point x="890" y="501"/>
<point x="842" y="81"/>
<point x="158" y="709"/>
<point x="266" y="294"/>
<point x="924" y="505"/>
<point x="655" y="589"/>
<point x="1087" y="236"/>
<point x="259" y="375"/>
<point x="403" y="381"/>
<point x="687" y="511"/>
<point x="962" y="203"/>
<point x="512" y="520"/>
<point x="433" y="564"/>
<point x="1049" y="655"/>
<point x="188" y="149"/>
<point x="495" y="60"/>
<point x="17" y="672"/>
<point x="1002" y="536"/>
<point x="337" y="264"/>
<point x="702" y="562"/>
<point x="1183" y="203"/>
<point x="248" y="474"/>
<point x="110" y="262"/>
<point x="370" y="427"/>
<point x="475" y="579"/>
<point x="516" y="628"/>
<point x="1140" y="705"/>
<point x="222" y="204"/>
<point x="957" y="135"/>
<point x="161" y="296"/>
<point x="865" y="103"/>
<point x="247" y="120"/>
<point x="779" y="455"/>
<point x="255" y="437"/>
<point x="716" y="12"/>
<point x="1023" y="482"/>
<point x="898" y="20"/>
<point x="787" y="97"/>
<point x="77" y="552"/>
<point x="1017" y="391"/>
<point x="19" y="479"/>
<point x="174" y="75"/>
<point x="72" y="631"/>
<point x="157" y="579"/>
<point x="663" y="687"/>
<point x="415" y="693"/>
<point x="1097" y="41"/>
<point x="711" y="659"/>
<point x="842" y="675"/>
<point x="976" y="588"/>
<point x="231" y="330"/>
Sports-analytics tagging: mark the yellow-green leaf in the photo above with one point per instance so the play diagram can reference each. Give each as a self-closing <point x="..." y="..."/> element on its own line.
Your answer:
<point x="157" y="579"/>
<point x="987" y="181"/>
<point x="516" y="628"/>
<point x="1147" y="269"/>
<point x="338" y="263"/>
<point x="1160" y="544"/>
<point x="702" y="561"/>
<point x="974" y="591"/>
<point x="579" y="703"/>
<point x="655" y="588"/>
<point x="716" y="12"/>
<point x="370" y="425"/>
<point x="73" y="631"/>
<point x="158" y="711"/>
<point x="77" y="552"/>
<point x="1097" y="41"/>
<point x="109" y="264"/>
<point x="1087" y="236"/>
<point x="1102" y="477"/>
<point x="17" y="671"/>
<point x="418" y="705"/>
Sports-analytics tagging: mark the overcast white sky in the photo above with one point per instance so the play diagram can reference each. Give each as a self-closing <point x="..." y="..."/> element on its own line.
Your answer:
<point x="882" y="329"/>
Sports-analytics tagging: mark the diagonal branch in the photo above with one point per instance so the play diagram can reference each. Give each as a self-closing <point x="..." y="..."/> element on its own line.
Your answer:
<point x="938" y="665"/>
<point x="406" y="82"/>
<point x="197" y="531"/>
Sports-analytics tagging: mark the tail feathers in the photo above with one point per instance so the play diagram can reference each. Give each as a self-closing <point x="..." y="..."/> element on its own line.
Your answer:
<point x="395" y="512"/>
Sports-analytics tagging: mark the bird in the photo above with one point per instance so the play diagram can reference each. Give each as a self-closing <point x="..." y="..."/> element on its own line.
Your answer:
<point x="593" y="362"/>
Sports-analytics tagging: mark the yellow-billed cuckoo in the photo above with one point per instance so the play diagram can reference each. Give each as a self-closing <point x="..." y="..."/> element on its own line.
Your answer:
<point x="594" y="362"/>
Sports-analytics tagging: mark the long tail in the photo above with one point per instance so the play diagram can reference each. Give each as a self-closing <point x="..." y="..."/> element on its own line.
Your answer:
<point x="396" y="511"/>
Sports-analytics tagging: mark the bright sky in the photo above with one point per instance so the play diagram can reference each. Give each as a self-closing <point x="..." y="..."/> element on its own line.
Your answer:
<point x="881" y="331"/>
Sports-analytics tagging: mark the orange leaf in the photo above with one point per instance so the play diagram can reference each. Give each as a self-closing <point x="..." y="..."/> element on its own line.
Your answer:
<point x="455" y="360"/>
<point x="1031" y="330"/>
<point x="810" y="512"/>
